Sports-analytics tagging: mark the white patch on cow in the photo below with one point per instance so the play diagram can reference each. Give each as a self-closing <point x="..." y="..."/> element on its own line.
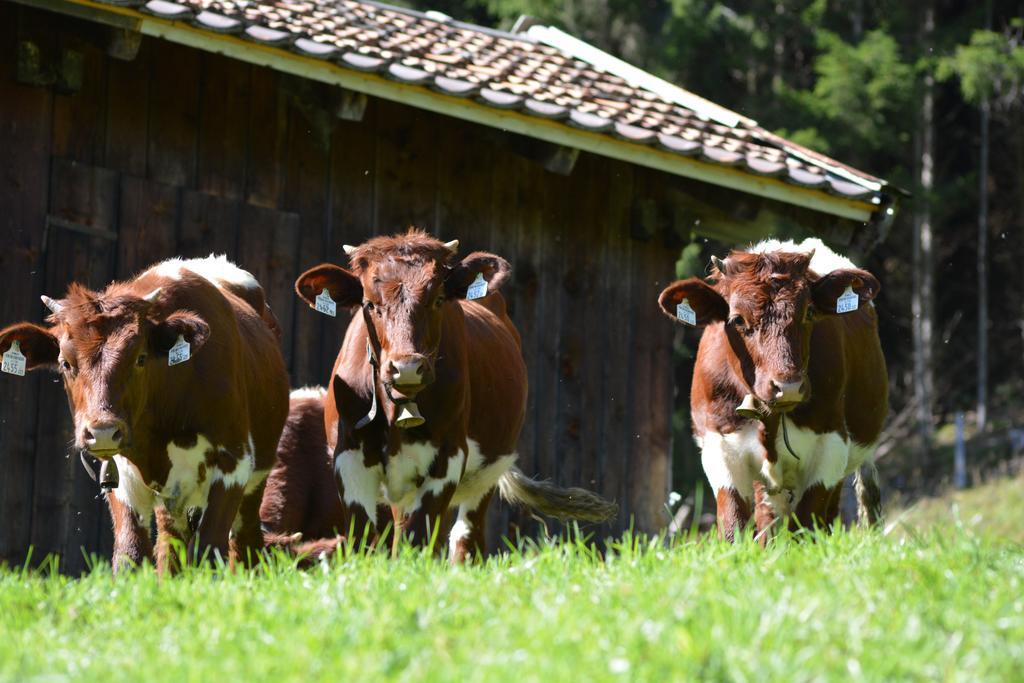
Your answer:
<point x="824" y="260"/>
<point x="255" y="479"/>
<point x="242" y="472"/>
<point x="860" y="454"/>
<point x="215" y="268"/>
<point x="435" y="486"/>
<point x="733" y="460"/>
<point x="361" y="483"/>
<point x="405" y="468"/>
<point x="460" y="531"/>
<point x="479" y="478"/>
<point x="823" y="458"/>
<point x="308" y="392"/>
<point x="183" y="489"/>
<point x="132" y="490"/>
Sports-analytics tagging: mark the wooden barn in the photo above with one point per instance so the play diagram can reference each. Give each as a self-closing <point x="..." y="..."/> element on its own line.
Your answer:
<point x="277" y="131"/>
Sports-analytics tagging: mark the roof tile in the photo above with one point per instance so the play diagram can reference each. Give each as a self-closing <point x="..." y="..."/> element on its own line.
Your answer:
<point x="510" y="71"/>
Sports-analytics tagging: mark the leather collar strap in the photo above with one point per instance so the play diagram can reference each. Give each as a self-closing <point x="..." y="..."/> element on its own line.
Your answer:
<point x="374" y="363"/>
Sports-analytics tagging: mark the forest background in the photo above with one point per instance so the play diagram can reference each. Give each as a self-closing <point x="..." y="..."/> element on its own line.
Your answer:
<point x="928" y="94"/>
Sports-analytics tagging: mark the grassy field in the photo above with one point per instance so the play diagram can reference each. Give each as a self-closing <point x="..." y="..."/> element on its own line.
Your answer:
<point x="994" y="510"/>
<point x="853" y="606"/>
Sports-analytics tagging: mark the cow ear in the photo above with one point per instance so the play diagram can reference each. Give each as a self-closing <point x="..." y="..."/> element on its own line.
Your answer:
<point x="185" y="324"/>
<point x="494" y="269"/>
<point x="38" y="344"/>
<point x="344" y="286"/>
<point x="707" y="304"/>
<point x="828" y="288"/>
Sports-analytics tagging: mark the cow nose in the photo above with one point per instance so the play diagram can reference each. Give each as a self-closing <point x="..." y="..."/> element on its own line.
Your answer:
<point x="788" y="392"/>
<point x="104" y="437"/>
<point x="406" y="372"/>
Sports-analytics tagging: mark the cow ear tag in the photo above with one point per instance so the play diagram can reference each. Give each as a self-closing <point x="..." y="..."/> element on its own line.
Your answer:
<point x="478" y="288"/>
<point x="14" y="360"/>
<point x="325" y="304"/>
<point x="685" y="313"/>
<point x="180" y="352"/>
<point x="847" y="301"/>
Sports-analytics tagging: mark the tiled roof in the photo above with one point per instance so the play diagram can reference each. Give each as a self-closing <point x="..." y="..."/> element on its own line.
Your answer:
<point x="518" y="71"/>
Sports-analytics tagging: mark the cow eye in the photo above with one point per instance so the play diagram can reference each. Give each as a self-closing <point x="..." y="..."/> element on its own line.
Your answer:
<point x="368" y="305"/>
<point x="65" y="366"/>
<point x="141" y="360"/>
<point x="438" y="302"/>
<point x="738" y="322"/>
<point x="809" y="315"/>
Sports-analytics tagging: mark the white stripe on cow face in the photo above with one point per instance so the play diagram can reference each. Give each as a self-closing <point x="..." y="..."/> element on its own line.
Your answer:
<point x="361" y="484"/>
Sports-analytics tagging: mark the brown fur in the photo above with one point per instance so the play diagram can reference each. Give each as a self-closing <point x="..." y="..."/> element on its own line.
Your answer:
<point x="758" y="331"/>
<point x="411" y="293"/>
<point x="301" y="496"/>
<point x="113" y="345"/>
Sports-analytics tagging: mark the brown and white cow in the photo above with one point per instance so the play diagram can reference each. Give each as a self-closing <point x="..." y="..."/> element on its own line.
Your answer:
<point x="193" y="441"/>
<point x="777" y="360"/>
<point x="301" y="496"/>
<point x="428" y="394"/>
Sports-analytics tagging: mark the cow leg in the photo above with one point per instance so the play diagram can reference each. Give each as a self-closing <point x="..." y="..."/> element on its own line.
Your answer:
<point x="247" y="542"/>
<point x="423" y="523"/>
<point x="467" y="539"/>
<point x="764" y="514"/>
<point x="222" y="506"/>
<point x="869" y="498"/>
<point x="818" y="507"/>
<point x="170" y="536"/>
<point x="359" y="490"/>
<point x="733" y="512"/>
<point x="132" y="542"/>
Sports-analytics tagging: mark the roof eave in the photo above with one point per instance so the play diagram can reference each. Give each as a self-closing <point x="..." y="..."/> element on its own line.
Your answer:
<point x="463" y="108"/>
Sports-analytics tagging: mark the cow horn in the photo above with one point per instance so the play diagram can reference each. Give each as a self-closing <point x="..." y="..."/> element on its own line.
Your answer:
<point x="349" y="249"/>
<point x="54" y="305"/>
<point x="151" y="297"/>
<point x="452" y="246"/>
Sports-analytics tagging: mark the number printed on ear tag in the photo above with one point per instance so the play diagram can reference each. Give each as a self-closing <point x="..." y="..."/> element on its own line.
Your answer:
<point x="180" y="352"/>
<point x="847" y="301"/>
<point x="14" y="361"/>
<point x="478" y="288"/>
<point x="326" y="305"/>
<point x="685" y="313"/>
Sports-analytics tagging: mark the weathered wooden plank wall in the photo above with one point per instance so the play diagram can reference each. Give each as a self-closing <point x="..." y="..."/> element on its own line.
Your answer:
<point x="180" y="152"/>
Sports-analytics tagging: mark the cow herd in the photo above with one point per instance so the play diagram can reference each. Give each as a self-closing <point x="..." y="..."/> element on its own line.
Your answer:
<point x="177" y="385"/>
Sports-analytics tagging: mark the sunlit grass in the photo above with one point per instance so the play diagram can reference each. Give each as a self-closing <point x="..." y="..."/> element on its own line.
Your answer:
<point x="994" y="510"/>
<point x="856" y="605"/>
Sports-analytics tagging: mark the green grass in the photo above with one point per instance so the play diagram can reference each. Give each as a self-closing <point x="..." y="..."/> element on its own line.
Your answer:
<point x="854" y="606"/>
<point x="994" y="510"/>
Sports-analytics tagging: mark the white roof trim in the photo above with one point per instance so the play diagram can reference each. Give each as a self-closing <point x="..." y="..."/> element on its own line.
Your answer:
<point x="600" y="59"/>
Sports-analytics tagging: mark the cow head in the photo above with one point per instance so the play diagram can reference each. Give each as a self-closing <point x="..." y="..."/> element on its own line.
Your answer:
<point x="106" y="347"/>
<point x="768" y="303"/>
<point x="402" y="284"/>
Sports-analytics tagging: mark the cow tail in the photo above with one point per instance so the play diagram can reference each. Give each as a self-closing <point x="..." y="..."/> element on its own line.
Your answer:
<point x="869" y="498"/>
<point x="554" y="501"/>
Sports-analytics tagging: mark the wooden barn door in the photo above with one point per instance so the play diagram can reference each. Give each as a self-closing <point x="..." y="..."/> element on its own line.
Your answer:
<point x="79" y="246"/>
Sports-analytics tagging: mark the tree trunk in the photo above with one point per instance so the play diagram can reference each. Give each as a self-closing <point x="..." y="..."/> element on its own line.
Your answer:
<point x="982" y="409"/>
<point x="923" y="297"/>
